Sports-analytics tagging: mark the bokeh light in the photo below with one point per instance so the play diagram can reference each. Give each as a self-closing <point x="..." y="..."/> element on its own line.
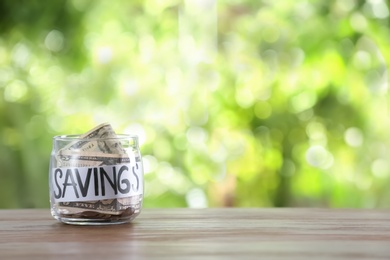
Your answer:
<point x="235" y="103"/>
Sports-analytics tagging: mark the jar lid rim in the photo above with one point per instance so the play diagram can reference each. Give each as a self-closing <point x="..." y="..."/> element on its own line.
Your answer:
<point x="80" y="137"/>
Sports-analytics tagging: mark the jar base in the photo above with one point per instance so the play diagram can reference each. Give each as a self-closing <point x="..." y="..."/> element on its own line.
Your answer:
<point x="93" y="222"/>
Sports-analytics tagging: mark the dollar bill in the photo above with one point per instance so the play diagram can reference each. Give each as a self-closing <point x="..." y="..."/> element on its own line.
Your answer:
<point x="112" y="207"/>
<point x="99" y="139"/>
<point x="98" y="147"/>
<point x="76" y="159"/>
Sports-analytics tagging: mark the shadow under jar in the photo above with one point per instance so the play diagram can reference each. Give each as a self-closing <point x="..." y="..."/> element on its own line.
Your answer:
<point x="95" y="181"/>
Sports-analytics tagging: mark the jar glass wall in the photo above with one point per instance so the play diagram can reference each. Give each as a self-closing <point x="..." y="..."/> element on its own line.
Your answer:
<point x="95" y="181"/>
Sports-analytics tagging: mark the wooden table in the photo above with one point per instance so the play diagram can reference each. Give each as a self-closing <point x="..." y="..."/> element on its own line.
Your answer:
<point x="202" y="234"/>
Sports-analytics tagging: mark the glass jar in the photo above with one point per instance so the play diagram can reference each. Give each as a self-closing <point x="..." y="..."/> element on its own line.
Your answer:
<point x="95" y="181"/>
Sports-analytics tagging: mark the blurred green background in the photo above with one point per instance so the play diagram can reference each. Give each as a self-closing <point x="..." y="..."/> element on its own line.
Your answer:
<point x="242" y="103"/>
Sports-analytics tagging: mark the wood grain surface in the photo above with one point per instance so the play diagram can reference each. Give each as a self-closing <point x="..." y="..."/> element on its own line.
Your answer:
<point x="228" y="233"/>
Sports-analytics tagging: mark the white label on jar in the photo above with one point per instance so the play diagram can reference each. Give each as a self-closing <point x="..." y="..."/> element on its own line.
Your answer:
<point x="97" y="183"/>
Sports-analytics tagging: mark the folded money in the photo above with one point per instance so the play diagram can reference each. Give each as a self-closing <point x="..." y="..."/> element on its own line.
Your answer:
<point x="96" y="177"/>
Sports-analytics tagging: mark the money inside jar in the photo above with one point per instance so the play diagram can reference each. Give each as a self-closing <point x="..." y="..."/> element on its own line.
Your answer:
<point x="96" y="176"/>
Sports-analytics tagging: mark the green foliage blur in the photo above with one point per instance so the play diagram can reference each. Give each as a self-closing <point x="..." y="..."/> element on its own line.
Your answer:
<point x="237" y="103"/>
